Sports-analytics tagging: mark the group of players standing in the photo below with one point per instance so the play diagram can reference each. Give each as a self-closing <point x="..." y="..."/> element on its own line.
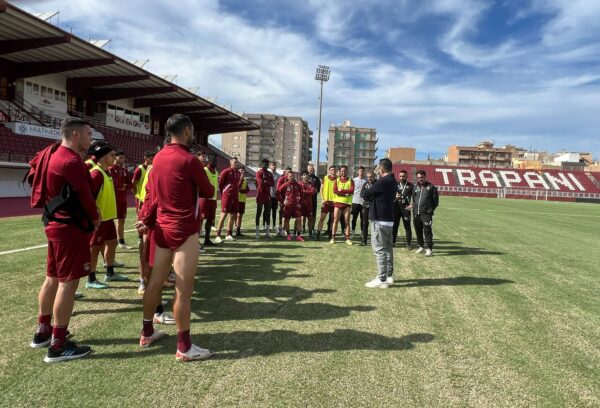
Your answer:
<point x="176" y="203"/>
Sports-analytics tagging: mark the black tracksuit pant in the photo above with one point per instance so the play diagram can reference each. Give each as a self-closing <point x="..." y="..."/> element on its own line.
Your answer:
<point x="364" y="224"/>
<point x="402" y="214"/>
<point x="423" y="229"/>
<point x="356" y="213"/>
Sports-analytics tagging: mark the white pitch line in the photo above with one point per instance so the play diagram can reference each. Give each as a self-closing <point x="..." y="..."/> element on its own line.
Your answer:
<point x="522" y="212"/>
<point x="14" y="251"/>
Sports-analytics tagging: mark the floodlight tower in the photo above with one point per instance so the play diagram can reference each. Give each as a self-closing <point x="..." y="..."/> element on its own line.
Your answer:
<point x="322" y="75"/>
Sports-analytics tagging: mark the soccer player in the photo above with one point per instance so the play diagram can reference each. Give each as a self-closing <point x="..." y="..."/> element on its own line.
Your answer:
<point x="359" y="182"/>
<point x="273" y="191"/>
<point x="105" y="238"/>
<point x="327" y="198"/>
<point x="317" y="183"/>
<point x="381" y="214"/>
<point x="425" y="200"/>
<point x="403" y="198"/>
<point x="229" y="184"/>
<point x="366" y="203"/>
<point x="343" y="190"/>
<point x="122" y="183"/>
<point x="208" y="206"/>
<point x="308" y="194"/>
<point x="264" y="183"/>
<point x="176" y="182"/>
<point x="280" y="199"/>
<point x="68" y="245"/>
<point x="139" y="175"/>
<point x="241" y="208"/>
<point x="291" y="191"/>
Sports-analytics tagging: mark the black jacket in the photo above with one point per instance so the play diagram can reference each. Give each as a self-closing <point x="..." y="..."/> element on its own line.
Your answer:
<point x="406" y="192"/>
<point x="425" y="199"/>
<point x="366" y="202"/>
<point x="382" y="194"/>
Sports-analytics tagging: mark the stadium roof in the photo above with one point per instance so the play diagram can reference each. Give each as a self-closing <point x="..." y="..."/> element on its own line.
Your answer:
<point x="31" y="47"/>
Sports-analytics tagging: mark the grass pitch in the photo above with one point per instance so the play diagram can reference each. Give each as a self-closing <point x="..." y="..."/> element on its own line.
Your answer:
<point x="506" y="314"/>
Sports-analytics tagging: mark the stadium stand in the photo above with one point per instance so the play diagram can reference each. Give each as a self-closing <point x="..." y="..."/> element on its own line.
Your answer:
<point x="551" y="184"/>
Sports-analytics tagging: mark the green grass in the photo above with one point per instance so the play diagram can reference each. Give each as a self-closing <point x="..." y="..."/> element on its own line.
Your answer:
<point x="506" y="314"/>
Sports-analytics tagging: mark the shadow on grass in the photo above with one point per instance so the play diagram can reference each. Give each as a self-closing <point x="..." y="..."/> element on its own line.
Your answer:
<point x="454" y="250"/>
<point x="456" y="281"/>
<point x="245" y="344"/>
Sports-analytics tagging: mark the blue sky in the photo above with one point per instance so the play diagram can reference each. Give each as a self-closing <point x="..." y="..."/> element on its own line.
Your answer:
<point x="425" y="73"/>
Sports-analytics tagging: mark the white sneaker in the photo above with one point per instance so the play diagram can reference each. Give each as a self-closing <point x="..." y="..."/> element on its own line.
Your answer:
<point x="390" y="280"/>
<point x="229" y="238"/>
<point x="194" y="353"/>
<point x="218" y="240"/>
<point x="213" y="228"/>
<point x="268" y="234"/>
<point x="141" y="288"/>
<point x="376" y="283"/>
<point x="124" y="246"/>
<point x="428" y="252"/>
<point x="147" y="341"/>
<point x="418" y="251"/>
<point x="163" y="318"/>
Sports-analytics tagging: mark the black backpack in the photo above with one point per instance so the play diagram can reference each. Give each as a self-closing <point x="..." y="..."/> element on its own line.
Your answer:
<point x="67" y="201"/>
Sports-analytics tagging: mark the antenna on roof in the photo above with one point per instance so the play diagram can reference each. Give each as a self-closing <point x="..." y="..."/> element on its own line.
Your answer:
<point x="193" y="89"/>
<point x="100" y="43"/>
<point x="142" y="63"/>
<point x="47" y="15"/>
<point x="171" y="78"/>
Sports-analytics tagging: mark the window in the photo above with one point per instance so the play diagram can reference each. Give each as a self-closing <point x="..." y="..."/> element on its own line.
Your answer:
<point x="56" y="95"/>
<point x="28" y="87"/>
<point x="63" y="96"/>
<point x="43" y="92"/>
<point x="36" y="89"/>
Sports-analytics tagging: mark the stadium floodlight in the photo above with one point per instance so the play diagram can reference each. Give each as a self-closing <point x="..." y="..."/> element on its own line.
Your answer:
<point x="322" y="75"/>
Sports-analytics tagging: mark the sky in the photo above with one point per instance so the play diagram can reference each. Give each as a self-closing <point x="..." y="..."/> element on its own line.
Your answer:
<point x="425" y="73"/>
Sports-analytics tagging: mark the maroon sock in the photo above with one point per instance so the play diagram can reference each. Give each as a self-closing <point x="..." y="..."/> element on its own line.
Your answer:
<point x="219" y="233"/>
<point x="59" y="335"/>
<point x="184" y="341"/>
<point x="229" y="232"/>
<point x="44" y="324"/>
<point x="147" y="328"/>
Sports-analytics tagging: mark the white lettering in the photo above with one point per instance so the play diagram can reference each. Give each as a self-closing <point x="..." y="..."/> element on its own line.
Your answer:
<point x="488" y="176"/>
<point x="465" y="175"/>
<point x="534" y="179"/>
<point x="508" y="182"/>
<point x="445" y="174"/>
<point x="562" y="179"/>
<point x="577" y="183"/>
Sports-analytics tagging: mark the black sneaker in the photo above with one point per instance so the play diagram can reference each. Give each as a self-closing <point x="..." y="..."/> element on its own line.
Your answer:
<point x="69" y="351"/>
<point x="363" y="244"/>
<point x="40" y="340"/>
<point x="209" y="243"/>
<point x="409" y="247"/>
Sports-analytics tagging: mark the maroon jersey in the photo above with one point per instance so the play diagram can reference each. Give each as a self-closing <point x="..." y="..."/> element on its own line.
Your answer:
<point x="291" y="192"/>
<point x="280" y="182"/>
<point x="121" y="181"/>
<point x="264" y="182"/>
<point x="66" y="166"/>
<point x="229" y="182"/>
<point x="178" y="179"/>
<point x="308" y="191"/>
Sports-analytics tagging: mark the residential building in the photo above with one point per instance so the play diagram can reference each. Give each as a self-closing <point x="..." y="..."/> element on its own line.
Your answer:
<point x="397" y="154"/>
<point x="284" y="139"/>
<point x="482" y="155"/>
<point x="351" y="146"/>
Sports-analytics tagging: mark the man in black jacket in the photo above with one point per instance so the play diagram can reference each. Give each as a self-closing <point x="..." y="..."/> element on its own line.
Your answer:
<point x="425" y="200"/>
<point x="366" y="203"/>
<point x="403" y="199"/>
<point x="381" y="213"/>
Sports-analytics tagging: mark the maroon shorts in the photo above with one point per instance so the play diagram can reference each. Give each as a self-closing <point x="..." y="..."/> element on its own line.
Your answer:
<point x="170" y="238"/>
<point x="208" y="209"/>
<point x="106" y="232"/>
<point x="241" y="209"/>
<point x="291" y="212"/>
<point x="327" y="207"/>
<point x="229" y="204"/>
<point x="151" y="247"/>
<point x="307" y="211"/>
<point x="341" y="205"/>
<point x="68" y="260"/>
<point x="121" y="209"/>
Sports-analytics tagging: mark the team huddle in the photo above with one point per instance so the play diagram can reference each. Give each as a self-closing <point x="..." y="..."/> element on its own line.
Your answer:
<point x="176" y="193"/>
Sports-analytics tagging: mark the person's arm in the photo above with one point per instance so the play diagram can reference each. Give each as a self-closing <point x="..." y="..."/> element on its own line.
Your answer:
<point x="282" y="187"/>
<point x="224" y="175"/>
<point x="203" y="184"/>
<point x="349" y="191"/>
<point x="376" y="189"/>
<point x="78" y="177"/>
<point x="259" y="182"/>
<point x="435" y="199"/>
<point x="97" y="181"/>
<point x="335" y="189"/>
<point x="137" y="175"/>
<point x="323" y="189"/>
